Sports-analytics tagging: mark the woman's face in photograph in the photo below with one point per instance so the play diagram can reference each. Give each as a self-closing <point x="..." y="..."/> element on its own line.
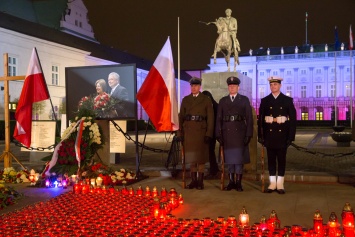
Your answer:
<point x="99" y="88"/>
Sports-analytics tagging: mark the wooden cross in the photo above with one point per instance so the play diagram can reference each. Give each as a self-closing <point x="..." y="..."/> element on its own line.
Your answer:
<point x="7" y="155"/>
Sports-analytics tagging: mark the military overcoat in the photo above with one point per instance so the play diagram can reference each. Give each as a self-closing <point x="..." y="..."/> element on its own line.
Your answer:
<point x="276" y="135"/>
<point x="234" y="129"/>
<point x="196" y="119"/>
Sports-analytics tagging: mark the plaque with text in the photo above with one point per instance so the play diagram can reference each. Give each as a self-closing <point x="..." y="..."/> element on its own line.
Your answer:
<point x="42" y="135"/>
<point x="117" y="139"/>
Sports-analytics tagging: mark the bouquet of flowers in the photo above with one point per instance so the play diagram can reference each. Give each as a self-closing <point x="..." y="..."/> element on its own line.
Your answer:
<point x="103" y="105"/>
<point x="8" y="196"/>
<point x="109" y="175"/>
<point x="10" y="175"/>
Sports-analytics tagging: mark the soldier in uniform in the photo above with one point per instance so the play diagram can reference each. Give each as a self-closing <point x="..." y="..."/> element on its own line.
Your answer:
<point x="276" y="131"/>
<point x="234" y="129"/>
<point x="196" y="131"/>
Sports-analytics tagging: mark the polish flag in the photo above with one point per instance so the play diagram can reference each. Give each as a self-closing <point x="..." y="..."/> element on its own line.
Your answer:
<point x="351" y="45"/>
<point x="157" y="94"/>
<point x="34" y="90"/>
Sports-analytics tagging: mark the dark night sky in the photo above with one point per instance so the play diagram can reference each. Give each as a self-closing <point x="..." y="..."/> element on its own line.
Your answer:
<point x="141" y="27"/>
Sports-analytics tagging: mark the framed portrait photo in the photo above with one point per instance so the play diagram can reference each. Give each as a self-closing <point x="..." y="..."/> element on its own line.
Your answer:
<point x="110" y="90"/>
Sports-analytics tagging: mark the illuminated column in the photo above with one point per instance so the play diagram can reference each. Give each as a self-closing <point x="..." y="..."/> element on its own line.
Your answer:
<point x="297" y="91"/>
<point x="327" y="108"/>
<point x="311" y="110"/>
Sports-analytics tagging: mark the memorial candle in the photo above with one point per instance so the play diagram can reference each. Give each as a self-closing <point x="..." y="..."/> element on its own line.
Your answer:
<point x="347" y="216"/>
<point x="333" y="225"/>
<point x="243" y="218"/>
<point x="318" y="223"/>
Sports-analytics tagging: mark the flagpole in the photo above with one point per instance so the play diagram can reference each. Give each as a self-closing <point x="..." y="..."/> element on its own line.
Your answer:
<point x="178" y="63"/>
<point x="351" y="89"/>
<point x="40" y="65"/>
<point x="335" y="88"/>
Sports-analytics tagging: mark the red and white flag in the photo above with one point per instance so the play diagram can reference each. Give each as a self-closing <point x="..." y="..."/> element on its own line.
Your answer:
<point x="351" y="39"/>
<point x="34" y="90"/>
<point x="157" y="94"/>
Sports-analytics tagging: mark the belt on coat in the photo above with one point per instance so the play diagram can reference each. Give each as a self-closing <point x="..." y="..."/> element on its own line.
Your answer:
<point x="196" y="118"/>
<point x="232" y="118"/>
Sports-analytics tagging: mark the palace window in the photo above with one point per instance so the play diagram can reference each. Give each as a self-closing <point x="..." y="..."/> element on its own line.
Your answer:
<point x="289" y="91"/>
<point x="55" y="75"/>
<point x="261" y="92"/>
<point x="303" y="91"/>
<point x="12" y="61"/>
<point x="332" y="91"/>
<point x="318" y="71"/>
<point x="303" y="72"/>
<point x="347" y="90"/>
<point x="318" y="91"/>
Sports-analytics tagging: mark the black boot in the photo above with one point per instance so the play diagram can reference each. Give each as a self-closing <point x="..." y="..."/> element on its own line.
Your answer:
<point x="193" y="183"/>
<point x="231" y="184"/>
<point x="238" y="185"/>
<point x="200" y="185"/>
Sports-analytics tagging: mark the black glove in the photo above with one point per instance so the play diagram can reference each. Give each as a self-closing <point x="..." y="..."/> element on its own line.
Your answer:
<point x="288" y="143"/>
<point x="208" y="140"/>
<point x="180" y="139"/>
<point x="246" y="140"/>
<point x="220" y="140"/>
<point x="261" y="140"/>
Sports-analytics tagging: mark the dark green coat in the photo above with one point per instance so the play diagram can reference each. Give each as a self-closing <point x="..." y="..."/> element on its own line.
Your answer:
<point x="194" y="132"/>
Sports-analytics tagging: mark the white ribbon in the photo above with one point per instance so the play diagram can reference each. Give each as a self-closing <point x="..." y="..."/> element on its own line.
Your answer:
<point x="55" y="152"/>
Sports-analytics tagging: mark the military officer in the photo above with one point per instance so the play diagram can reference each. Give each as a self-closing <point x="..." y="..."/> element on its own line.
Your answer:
<point x="196" y="119"/>
<point x="234" y="129"/>
<point x="276" y="131"/>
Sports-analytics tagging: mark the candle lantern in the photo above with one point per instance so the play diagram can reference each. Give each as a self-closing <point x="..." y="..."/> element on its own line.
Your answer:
<point x="273" y="223"/>
<point x="147" y="191"/>
<point x="243" y="218"/>
<point x="155" y="191"/>
<point x="181" y="199"/>
<point x="263" y="223"/>
<point x="84" y="188"/>
<point x="156" y="207"/>
<point x="99" y="181"/>
<point x="231" y="221"/>
<point x="73" y="178"/>
<point x="163" y="192"/>
<point x="92" y="182"/>
<point x="47" y="183"/>
<point x="139" y="191"/>
<point x="131" y="191"/>
<point x="318" y="223"/>
<point x="64" y="183"/>
<point x="124" y="190"/>
<point x="333" y="225"/>
<point x="77" y="188"/>
<point x="347" y="217"/>
<point x="172" y="192"/>
<point x="31" y="177"/>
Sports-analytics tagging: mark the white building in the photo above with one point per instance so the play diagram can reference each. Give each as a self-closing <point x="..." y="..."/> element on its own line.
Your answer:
<point x="63" y="37"/>
<point x="318" y="81"/>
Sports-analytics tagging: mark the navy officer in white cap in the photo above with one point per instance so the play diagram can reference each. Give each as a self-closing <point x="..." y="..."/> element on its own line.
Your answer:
<point x="276" y="131"/>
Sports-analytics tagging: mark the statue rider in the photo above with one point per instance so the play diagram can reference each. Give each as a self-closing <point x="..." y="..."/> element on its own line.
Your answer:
<point x="232" y="28"/>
